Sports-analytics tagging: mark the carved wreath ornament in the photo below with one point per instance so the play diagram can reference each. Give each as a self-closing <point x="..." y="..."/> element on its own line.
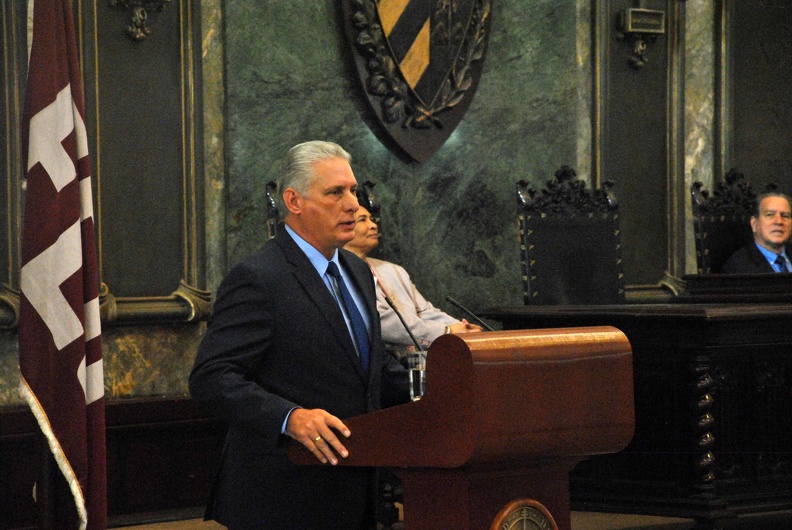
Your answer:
<point x="138" y="30"/>
<point x="385" y="79"/>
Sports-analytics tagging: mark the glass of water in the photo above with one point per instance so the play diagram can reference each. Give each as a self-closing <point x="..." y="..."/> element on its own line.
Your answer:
<point x="416" y="365"/>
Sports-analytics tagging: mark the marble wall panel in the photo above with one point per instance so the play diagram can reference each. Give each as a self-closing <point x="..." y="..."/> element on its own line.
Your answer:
<point x="451" y="221"/>
<point x="279" y="72"/>
<point x="700" y="107"/>
<point x="9" y="369"/>
<point x="139" y="361"/>
<point x="149" y="360"/>
<point x="213" y="92"/>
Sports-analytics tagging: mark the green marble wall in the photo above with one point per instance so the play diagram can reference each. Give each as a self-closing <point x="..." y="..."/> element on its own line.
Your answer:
<point x="277" y="73"/>
<point x="451" y="221"/>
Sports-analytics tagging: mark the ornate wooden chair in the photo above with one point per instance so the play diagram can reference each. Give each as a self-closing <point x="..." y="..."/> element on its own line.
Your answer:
<point x="366" y="197"/>
<point x="390" y="490"/>
<point x="721" y="221"/>
<point x="369" y="200"/>
<point x="570" y="243"/>
<point x="273" y="216"/>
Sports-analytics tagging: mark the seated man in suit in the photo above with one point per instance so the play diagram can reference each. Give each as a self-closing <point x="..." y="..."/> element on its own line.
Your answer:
<point x="425" y="321"/>
<point x="771" y="224"/>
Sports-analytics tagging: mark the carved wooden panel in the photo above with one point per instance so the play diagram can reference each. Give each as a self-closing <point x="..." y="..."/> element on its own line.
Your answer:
<point x="144" y="126"/>
<point x="635" y="146"/>
<point x="142" y="99"/>
<point x="161" y="455"/>
<point x="712" y="395"/>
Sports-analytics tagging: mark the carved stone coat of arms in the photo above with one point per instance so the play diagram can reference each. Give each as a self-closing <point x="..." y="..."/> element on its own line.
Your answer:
<point x="419" y="62"/>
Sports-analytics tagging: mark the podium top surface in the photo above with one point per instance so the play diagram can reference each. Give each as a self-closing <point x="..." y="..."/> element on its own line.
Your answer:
<point x="504" y="396"/>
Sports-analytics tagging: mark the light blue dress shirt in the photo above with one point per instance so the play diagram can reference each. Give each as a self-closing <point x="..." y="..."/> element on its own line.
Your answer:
<point x="320" y="264"/>
<point x="771" y="257"/>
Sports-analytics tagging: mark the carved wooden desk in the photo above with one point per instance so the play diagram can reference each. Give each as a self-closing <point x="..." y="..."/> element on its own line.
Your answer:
<point x="713" y="407"/>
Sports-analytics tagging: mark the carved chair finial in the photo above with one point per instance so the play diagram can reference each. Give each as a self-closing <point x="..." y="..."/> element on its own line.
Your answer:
<point x="368" y="200"/>
<point x="734" y="194"/>
<point x="566" y="194"/>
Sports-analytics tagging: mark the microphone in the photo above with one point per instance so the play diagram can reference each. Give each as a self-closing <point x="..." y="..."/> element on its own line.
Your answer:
<point x="401" y="318"/>
<point x="470" y="314"/>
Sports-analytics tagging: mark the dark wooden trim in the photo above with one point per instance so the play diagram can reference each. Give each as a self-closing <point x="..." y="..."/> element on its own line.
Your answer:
<point x="712" y="395"/>
<point x="161" y="457"/>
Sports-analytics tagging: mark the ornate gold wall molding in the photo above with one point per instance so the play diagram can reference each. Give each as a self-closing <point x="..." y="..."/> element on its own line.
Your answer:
<point x="139" y="294"/>
<point x="9" y="307"/>
<point x="188" y="303"/>
<point x="185" y="304"/>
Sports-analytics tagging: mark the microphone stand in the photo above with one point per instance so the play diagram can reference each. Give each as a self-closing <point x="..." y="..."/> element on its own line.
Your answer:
<point x="470" y="314"/>
<point x="401" y="318"/>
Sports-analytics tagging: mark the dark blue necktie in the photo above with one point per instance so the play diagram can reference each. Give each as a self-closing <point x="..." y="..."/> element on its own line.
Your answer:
<point x="781" y="262"/>
<point x="358" y="324"/>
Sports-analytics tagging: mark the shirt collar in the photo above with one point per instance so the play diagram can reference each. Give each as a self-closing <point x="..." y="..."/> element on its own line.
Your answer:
<point x="769" y="254"/>
<point x="314" y="256"/>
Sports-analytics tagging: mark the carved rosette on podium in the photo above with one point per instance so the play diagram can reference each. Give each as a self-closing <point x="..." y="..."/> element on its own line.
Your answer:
<point x="505" y="417"/>
<point x="526" y="514"/>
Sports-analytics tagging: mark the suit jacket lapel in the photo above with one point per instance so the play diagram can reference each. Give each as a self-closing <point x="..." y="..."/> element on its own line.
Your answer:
<point x="364" y="288"/>
<point x="317" y="291"/>
<point x="760" y="260"/>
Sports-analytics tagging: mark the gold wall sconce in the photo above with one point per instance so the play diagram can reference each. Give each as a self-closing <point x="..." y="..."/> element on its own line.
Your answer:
<point x="639" y="27"/>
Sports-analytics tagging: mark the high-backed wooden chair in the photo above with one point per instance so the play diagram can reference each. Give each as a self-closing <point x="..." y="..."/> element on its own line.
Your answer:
<point x="570" y="243"/>
<point x="390" y="489"/>
<point x="369" y="200"/>
<point x="273" y="216"/>
<point x="721" y="220"/>
<point x="365" y="195"/>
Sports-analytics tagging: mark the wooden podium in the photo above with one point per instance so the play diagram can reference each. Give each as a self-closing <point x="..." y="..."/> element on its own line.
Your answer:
<point x="505" y="417"/>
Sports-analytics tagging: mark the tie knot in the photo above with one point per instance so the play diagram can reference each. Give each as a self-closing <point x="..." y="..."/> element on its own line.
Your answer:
<point x="781" y="262"/>
<point x="332" y="270"/>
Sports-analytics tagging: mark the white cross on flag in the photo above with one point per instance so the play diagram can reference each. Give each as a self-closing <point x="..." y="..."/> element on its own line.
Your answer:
<point x="60" y="349"/>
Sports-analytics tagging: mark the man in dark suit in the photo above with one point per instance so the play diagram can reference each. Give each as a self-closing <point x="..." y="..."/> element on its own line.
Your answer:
<point x="771" y="224"/>
<point x="279" y="360"/>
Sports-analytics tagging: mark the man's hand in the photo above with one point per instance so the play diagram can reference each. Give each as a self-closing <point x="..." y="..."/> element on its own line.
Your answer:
<point x="316" y="429"/>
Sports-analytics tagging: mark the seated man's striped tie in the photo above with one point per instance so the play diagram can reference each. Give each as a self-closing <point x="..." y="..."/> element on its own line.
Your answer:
<point x="781" y="262"/>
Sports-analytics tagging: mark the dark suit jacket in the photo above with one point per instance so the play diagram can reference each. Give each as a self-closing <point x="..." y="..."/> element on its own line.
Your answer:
<point x="278" y="340"/>
<point x="747" y="260"/>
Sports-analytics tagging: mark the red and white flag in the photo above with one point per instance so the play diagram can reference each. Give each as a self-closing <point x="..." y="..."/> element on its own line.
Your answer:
<point x="60" y="349"/>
